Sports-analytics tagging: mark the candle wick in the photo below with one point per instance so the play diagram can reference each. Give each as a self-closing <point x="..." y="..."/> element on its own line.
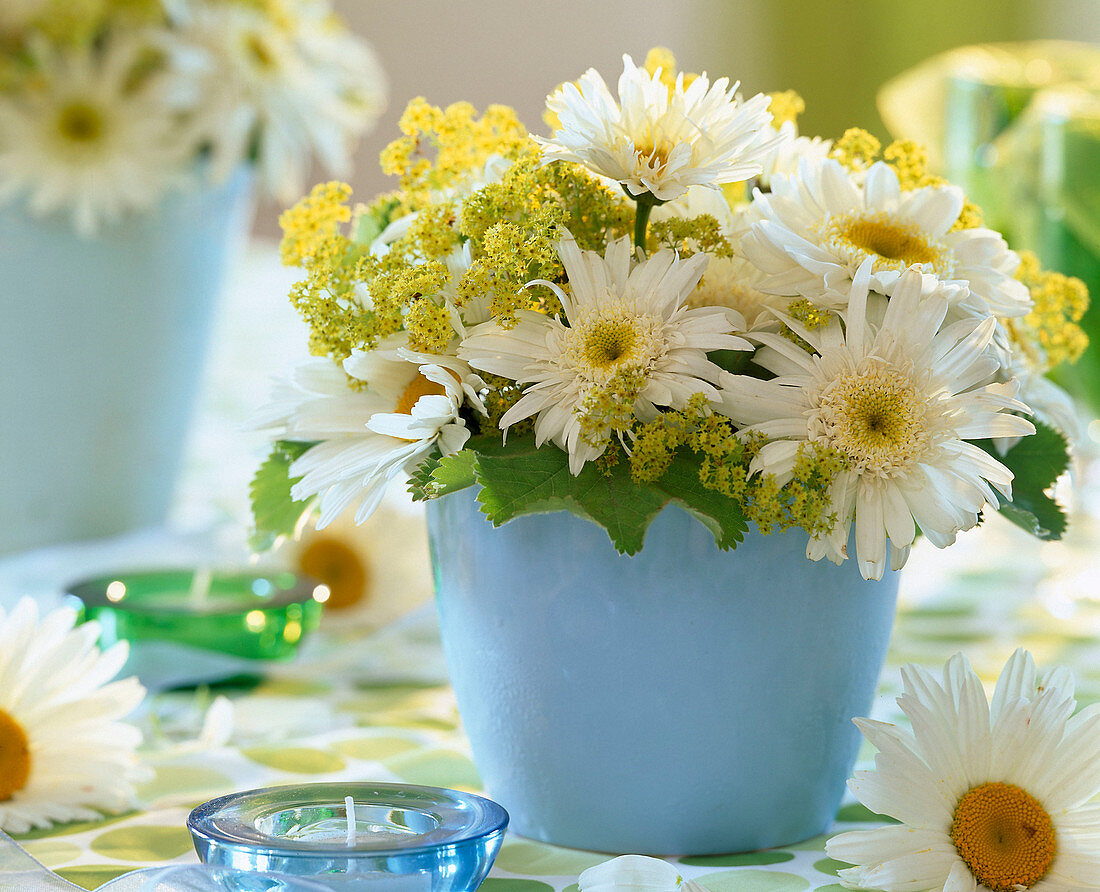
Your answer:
<point x="349" y="808"/>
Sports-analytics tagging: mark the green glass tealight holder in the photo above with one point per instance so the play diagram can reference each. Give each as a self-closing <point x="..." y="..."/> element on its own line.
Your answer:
<point x="196" y="626"/>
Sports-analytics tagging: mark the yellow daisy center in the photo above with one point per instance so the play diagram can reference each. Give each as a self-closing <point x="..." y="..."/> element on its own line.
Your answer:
<point x="894" y="244"/>
<point x="877" y="417"/>
<point x="605" y="343"/>
<point x="338" y="566"/>
<point x="80" y="122"/>
<point x="420" y="386"/>
<point x="654" y="152"/>
<point x="1004" y="836"/>
<point x="608" y="340"/>
<point x="15" y="757"/>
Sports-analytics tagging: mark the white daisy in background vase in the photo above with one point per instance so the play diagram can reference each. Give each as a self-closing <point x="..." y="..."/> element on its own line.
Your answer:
<point x="630" y="345"/>
<point x="814" y="229"/>
<point x="278" y="81"/>
<point x="365" y="437"/>
<point x="104" y="108"/>
<point x="898" y="404"/>
<point x="92" y="136"/>
<point x="659" y="140"/>
<point x="993" y="797"/>
<point x="64" y="753"/>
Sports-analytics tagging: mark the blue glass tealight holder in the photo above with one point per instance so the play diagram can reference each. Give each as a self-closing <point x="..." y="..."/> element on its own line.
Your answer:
<point x="354" y="835"/>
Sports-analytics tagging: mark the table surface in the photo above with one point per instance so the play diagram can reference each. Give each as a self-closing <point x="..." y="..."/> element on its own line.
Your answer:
<point x="368" y="698"/>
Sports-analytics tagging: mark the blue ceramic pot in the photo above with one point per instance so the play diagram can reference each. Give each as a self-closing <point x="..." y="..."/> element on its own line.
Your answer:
<point x="101" y="354"/>
<point x="682" y="701"/>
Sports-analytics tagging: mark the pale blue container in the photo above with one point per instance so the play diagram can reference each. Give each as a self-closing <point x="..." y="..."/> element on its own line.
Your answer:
<point x="682" y="701"/>
<point x="101" y="355"/>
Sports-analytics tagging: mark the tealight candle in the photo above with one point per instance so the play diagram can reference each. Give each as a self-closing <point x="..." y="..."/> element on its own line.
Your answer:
<point x="351" y="836"/>
<point x="192" y="626"/>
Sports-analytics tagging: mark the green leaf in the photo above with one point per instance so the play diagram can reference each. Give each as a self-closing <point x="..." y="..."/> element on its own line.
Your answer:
<point x="521" y="479"/>
<point x="1036" y="463"/>
<point x="720" y="514"/>
<point x="274" y="512"/>
<point x="421" y="478"/>
<point x="439" y="475"/>
<point x="454" y="472"/>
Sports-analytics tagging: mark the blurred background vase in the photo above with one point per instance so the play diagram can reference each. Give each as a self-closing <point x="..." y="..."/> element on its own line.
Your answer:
<point x="101" y="357"/>
<point x="1017" y="125"/>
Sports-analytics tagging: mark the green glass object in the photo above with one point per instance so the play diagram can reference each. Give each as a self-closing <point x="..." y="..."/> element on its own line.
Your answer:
<point x="1018" y="127"/>
<point x="192" y="626"/>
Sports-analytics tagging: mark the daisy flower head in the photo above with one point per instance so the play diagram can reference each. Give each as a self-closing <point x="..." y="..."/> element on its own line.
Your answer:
<point x="898" y="403"/>
<point x="815" y="228"/>
<point x="83" y="138"/>
<point x="627" y="345"/>
<point x="658" y="139"/>
<point x="990" y="796"/>
<point x="365" y="437"/>
<point x="64" y="753"/>
<point x="734" y="282"/>
<point x="281" y="78"/>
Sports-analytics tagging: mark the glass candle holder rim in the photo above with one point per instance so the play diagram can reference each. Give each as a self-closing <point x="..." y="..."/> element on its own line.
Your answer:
<point x="92" y="591"/>
<point x="200" y="822"/>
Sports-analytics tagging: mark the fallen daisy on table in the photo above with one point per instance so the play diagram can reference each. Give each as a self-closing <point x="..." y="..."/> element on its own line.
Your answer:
<point x="635" y="873"/>
<point x="989" y="796"/>
<point x="64" y="754"/>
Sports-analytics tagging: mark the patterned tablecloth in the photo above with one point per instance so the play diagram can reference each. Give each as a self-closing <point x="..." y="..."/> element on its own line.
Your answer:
<point x="369" y="699"/>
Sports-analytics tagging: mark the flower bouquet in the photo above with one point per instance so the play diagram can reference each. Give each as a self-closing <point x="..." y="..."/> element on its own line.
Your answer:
<point x="131" y="134"/>
<point x="674" y="300"/>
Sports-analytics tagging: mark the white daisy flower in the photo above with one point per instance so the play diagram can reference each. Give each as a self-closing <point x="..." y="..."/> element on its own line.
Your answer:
<point x="784" y="158"/>
<point x="64" y="754"/>
<point x="991" y="796"/>
<point x="658" y="139"/>
<point x="293" y="85"/>
<point x="635" y="873"/>
<point x="814" y="229"/>
<point x="624" y="330"/>
<point x="81" y="139"/>
<point x="411" y="405"/>
<point x="898" y="404"/>
<point x="733" y="282"/>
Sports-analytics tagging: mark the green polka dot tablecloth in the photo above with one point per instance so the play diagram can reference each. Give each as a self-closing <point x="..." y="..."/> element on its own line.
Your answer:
<point x="371" y="702"/>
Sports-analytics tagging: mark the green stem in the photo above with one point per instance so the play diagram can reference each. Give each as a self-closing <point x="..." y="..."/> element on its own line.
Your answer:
<point x="645" y="203"/>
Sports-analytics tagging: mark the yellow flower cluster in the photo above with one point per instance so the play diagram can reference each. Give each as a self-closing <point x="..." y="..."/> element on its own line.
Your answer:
<point x="313" y="222"/>
<point x="513" y="224"/>
<point x="689" y="236"/>
<point x="503" y="393"/>
<point x="313" y="238"/>
<point x="724" y="467"/>
<point x="809" y="314"/>
<point x="461" y="141"/>
<point x="786" y="106"/>
<point x="509" y="227"/>
<point x="1050" y="333"/>
<point x="856" y="149"/>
